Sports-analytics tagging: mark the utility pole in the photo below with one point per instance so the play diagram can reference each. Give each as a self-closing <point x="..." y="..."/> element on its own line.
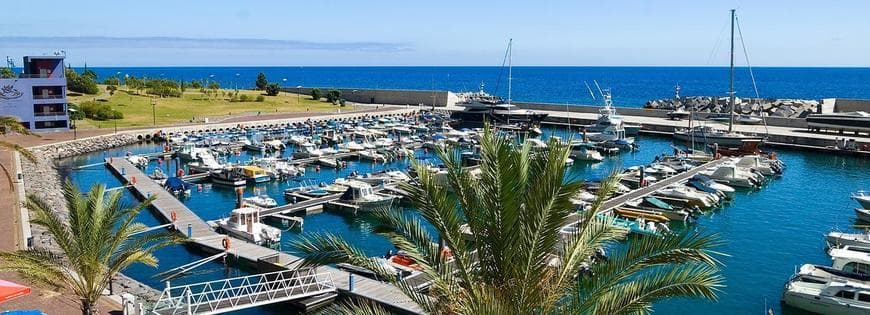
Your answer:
<point x="154" y="111"/>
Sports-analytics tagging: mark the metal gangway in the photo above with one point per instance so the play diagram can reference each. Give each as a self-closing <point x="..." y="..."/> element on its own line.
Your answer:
<point x="215" y="297"/>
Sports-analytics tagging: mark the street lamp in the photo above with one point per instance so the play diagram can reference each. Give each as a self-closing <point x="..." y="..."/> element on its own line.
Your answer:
<point x="154" y="111"/>
<point x="72" y="111"/>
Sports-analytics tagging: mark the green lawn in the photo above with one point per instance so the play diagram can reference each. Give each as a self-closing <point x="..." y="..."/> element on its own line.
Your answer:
<point x="137" y="109"/>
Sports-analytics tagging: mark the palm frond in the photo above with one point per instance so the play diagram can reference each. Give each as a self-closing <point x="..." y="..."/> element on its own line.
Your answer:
<point x="38" y="265"/>
<point x="21" y="150"/>
<point x="11" y="123"/>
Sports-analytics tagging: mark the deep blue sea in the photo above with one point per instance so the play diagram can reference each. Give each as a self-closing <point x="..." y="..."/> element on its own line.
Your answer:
<point x="766" y="232"/>
<point x="631" y="86"/>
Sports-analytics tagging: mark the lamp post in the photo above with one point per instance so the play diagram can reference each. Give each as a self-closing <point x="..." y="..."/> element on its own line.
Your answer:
<point x="154" y="111"/>
<point x="75" y="131"/>
<point x="353" y="94"/>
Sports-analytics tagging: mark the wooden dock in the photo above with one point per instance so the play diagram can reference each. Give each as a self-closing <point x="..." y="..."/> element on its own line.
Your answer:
<point x="206" y="238"/>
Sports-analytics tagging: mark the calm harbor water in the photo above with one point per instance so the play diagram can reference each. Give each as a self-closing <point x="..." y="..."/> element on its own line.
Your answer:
<point x="632" y="86"/>
<point x="767" y="232"/>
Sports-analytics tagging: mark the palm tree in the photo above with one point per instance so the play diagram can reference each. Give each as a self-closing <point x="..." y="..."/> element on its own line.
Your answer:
<point x="9" y="124"/>
<point x="507" y="256"/>
<point x="99" y="240"/>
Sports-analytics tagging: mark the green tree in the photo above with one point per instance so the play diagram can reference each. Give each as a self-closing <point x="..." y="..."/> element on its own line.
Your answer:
<point x="316" y="94"/>
<point x="273" y="89"/>
<point x="214" y="86"/>
<point x="98" y="240"/>
<point x="111" y="89"/>
<point x="195" y="84"/>
<point x="90" y="74"/>
<point x="506" y="252"/>
<point x="261" y="81"/>
<point x="10" y="124"/>
<point x="333" y="96"/>
<point x="6" y="73"/>
<point x="80" y="83"/>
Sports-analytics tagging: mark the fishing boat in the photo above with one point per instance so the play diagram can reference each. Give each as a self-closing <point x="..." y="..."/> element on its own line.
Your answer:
<point x="244" y="223"/>
<point x="361" y="195"/>
<point x="607" y="117"/>
<point x="262" y="201"/>
<point x="863" y="198"/>
<point x="254" y="174"/>
<point x="228" y="176"/>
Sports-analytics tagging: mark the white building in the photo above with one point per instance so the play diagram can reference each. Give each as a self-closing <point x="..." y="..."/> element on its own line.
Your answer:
<point x="38" y="96"/>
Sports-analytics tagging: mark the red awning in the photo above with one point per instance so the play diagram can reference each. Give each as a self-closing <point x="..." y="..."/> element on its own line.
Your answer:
<point x="10" y="290"/>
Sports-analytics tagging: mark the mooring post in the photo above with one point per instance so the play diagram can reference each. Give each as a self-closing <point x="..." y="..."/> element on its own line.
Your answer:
<point x="189" y="230"/>
<point x="123" y="172"/>
<point x="350" y="282"/>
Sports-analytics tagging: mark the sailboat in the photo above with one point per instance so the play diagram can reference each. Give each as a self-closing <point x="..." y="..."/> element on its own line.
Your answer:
<point x="487" y="107"/>
<point x="729" y="140"/>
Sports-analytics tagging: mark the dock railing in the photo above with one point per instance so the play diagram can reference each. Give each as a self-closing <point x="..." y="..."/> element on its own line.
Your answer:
<point x="238" y="293"/>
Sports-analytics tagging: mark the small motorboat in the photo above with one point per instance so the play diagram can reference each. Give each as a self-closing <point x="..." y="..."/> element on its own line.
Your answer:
<point x="731" y="175"/>
<point x="177" y="186"/>
<point x="228" y="177"/>
<point x="695" y="198"/>
<point x="863" y="198"/>
<point x="709" y="185"/>
<point x="262" y="201"/>
<point x="244" y="223"/>
<point x="678" y="114"/>
<point x="361" y="195"/>
<point x="329" y="162"/>
<point x="137" y="160"/>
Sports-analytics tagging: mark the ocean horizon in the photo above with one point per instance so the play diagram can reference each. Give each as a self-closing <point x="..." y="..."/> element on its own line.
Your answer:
<point x="631" y="86"/>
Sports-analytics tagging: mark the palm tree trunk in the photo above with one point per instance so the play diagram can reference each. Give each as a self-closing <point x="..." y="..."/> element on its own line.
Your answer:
<point x="89" y="307"/>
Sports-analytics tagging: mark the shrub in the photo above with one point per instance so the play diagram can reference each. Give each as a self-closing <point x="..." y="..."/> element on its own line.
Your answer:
<point x="111" y="89"/>
<point x="244" y="98"/>
<point x="76" y="113"/>
<point x="261" y="98"/>
<point x="316" y="94"/>
<point x="163" y="88"/>
<point x="112" y="81"/>
<point x="273" y="89"/>
<point x="100" y="111"/>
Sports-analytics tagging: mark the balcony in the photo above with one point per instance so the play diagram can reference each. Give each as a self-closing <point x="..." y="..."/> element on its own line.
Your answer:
<point x="40" y="76"/>
<point x="47" y="96"/>
<point x="42" y="114"/>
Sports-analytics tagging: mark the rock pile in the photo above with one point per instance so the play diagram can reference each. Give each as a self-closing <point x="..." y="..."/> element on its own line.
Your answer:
<point x="43" y="180"/>
<point x="787" y="108"/>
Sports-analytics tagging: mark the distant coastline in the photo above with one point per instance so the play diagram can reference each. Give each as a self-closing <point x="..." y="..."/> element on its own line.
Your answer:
<point x="632" y="86"/>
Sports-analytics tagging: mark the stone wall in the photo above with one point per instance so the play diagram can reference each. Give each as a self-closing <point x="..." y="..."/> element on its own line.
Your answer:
<point x="393" y="97"/>
<point x="648" y="112"/>
<point x="786" y="108"/>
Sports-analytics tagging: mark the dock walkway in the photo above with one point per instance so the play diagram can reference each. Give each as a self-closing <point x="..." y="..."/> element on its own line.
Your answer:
<point x="643" y="192"/>
<point x="203" y="236"/>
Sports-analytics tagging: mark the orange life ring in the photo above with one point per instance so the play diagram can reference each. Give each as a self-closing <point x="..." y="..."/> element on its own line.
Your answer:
<point x="226" y="243"/>
<point x="133" y="180"/>
<point x="173" y="216"/>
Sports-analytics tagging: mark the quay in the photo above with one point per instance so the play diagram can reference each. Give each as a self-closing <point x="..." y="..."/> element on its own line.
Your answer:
<point x="262" y="258"/>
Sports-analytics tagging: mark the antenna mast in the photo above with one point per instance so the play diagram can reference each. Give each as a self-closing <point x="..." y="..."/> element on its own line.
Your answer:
<point x="731" y="80"/>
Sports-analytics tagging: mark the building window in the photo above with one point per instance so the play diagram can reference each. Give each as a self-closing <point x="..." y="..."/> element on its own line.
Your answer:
<point x="49" y="109"/>
<point x="50" y="124"/>
<point x="47" y="92"/>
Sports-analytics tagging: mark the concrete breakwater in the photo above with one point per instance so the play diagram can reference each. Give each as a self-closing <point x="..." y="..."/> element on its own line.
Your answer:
<point x="786" y="108"/>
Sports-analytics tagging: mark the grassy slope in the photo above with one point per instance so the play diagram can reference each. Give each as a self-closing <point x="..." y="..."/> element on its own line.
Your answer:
<point x="137" y="108"/>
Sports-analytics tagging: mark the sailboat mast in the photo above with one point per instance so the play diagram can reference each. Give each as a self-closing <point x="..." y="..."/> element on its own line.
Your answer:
<point x="510" y="68"/>
<point x="731" y="80"/>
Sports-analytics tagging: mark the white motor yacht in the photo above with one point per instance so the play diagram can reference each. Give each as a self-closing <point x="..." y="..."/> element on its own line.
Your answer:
<point x="852" y="259"/>
<point x="371" y="155"/>
<point x="758" y="164"/>
<point x="863" y="198"/>
<point x="827" y="295"/>
<point x="244" y="223"/>
<point x="840" y="239"/>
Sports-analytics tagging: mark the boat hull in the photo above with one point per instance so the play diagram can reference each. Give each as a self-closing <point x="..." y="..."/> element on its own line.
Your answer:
<point x="821" y="305"/>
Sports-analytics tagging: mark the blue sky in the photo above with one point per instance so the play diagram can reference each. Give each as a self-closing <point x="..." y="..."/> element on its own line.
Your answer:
<point x="440" y="33"/>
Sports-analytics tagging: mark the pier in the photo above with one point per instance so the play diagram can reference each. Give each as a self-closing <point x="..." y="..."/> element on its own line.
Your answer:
<point x="203" y="236"/>
<point x="617" y="201"/>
